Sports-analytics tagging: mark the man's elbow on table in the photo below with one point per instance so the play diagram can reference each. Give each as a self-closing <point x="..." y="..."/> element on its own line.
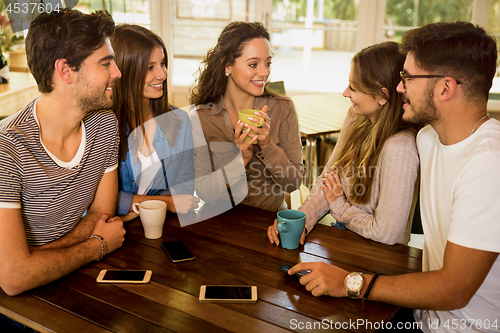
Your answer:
<point x="18" y="275"/>
<point x="13" y="285"/>
<point x="12" y="291"/>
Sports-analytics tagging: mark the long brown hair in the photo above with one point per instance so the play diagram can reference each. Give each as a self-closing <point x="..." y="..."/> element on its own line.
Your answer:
<point x="211" y="83"/>
<point x="133" y="46"/>
<point x="373" y="68"/>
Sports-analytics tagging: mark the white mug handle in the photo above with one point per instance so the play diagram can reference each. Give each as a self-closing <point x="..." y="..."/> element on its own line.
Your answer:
<point x="135" y="208"/>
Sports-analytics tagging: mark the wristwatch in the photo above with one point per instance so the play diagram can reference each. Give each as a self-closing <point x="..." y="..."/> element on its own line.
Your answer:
<point x="353" y="283"/>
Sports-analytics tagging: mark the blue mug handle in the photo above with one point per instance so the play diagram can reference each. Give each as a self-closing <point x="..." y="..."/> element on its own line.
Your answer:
<point x="282" y="227"/>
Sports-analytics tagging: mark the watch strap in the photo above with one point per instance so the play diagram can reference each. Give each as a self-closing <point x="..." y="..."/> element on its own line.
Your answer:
<point x="367" y="292"/>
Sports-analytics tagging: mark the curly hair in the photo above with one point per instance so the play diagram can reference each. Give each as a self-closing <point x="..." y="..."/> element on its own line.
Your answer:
<point x="211" y="83"/>
<point x="375" y="71"/>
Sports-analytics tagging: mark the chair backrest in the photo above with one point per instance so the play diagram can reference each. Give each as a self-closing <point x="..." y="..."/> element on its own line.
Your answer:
<point x="277" y="87"/>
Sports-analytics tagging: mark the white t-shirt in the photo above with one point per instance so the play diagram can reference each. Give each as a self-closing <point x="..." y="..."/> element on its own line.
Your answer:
<point x="460" y="203"/>
<point x="150" y="162"/>
<point x="150" y="165"/>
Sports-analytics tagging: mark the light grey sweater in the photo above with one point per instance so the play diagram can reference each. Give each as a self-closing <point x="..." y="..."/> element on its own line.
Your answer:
<point x="387" y="217"/>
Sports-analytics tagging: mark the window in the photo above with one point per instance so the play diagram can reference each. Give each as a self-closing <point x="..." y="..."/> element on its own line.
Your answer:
<point x="313" y="43"/>
<point x="124" y="11"/>
<point x="493" y="27"/>
<point x="195" y="29"/>
<point x="403" y="15"/>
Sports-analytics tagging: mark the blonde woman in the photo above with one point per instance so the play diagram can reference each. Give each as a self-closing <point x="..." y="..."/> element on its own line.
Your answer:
<point x="369" y="185"/>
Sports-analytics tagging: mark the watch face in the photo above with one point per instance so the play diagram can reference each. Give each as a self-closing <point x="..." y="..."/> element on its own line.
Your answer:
<point x="354" y="282"/>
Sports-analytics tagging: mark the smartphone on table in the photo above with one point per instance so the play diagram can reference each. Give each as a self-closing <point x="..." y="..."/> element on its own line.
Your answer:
<point x="228" y="294"/>
<point x="177" y="251"/>
<point x="298" y="275"/>
<point x="124" y="276"/>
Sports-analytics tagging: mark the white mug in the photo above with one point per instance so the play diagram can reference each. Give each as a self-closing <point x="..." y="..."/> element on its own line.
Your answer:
<point x="152" y="213"/>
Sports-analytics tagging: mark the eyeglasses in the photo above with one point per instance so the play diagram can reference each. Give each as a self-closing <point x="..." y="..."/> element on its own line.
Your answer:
<point x="405" y="76"/>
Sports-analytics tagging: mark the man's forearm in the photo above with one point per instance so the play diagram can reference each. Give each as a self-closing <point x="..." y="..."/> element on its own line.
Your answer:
<point x="445" y="289"/>
<point x="46" y="266"/>
<point x="424" y="290"/>
<point x="78" y="235"/>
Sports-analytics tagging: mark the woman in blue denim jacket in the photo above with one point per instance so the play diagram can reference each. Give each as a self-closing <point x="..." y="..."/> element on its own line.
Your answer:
<point x="156" y="145"/>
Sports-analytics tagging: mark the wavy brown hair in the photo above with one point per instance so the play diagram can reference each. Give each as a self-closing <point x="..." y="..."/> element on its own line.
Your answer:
<point x="133" y="46"/>
<point x="67" y="34"/>
<point x="211" y="83"/>
<point x="373" y="68"/>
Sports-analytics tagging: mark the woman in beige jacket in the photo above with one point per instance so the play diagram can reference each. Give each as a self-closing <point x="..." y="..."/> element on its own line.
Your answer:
<point x="234" y="76"/>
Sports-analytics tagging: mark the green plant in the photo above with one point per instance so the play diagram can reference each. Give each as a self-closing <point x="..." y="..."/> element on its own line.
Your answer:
<point x="7" y="37"/>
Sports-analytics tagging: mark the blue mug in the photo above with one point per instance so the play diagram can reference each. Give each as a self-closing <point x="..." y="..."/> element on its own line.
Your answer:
<point x="291" y="224"/>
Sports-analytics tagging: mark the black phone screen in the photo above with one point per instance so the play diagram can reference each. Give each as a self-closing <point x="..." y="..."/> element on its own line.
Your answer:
<point x="285" y="269"/>
<point x="225" y="292"/>
<point x="177" y="251"/>
<point x="117" y="275"/>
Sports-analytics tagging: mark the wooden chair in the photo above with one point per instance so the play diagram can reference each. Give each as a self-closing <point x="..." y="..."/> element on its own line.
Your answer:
<point x="277" y="87"/>
<point x="296" y="198"/>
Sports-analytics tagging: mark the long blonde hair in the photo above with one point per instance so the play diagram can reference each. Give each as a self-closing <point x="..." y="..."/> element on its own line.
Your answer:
<point x="373" y="68"/>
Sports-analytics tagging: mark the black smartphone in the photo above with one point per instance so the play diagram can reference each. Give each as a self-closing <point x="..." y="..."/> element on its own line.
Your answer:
<point x="177" y="251"/>
<point x="298" y="275"/>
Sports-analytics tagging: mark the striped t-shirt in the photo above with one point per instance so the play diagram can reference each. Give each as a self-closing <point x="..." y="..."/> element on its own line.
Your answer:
<point x="53" y="196"/>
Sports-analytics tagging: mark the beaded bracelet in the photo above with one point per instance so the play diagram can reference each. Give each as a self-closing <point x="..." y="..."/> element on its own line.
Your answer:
<point x="104" y="245"/>
<point x="367" y="292"/>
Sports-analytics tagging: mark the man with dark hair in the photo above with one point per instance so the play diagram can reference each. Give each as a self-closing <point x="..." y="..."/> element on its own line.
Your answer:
<point x="445" y="82"/>
<point x="58" y="156"/>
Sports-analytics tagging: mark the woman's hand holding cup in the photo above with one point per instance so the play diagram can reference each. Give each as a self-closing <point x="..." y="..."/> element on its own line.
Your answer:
<point x="239" y="138"/>
<point x="262" y="132"/>
<point x="272" y="234"/>
<point x="259" y="124"/>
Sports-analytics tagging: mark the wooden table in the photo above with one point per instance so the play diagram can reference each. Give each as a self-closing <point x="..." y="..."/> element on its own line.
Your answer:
<point x="319" y="114"/>
<point x="14" y="95"/>
<point x="231" y="248"/>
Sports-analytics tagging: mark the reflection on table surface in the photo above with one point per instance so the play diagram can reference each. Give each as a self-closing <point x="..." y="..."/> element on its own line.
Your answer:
<point x="230" y="249"/>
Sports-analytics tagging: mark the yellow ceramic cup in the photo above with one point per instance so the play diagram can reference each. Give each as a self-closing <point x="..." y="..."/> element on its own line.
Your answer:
<point x="244" y="114"/>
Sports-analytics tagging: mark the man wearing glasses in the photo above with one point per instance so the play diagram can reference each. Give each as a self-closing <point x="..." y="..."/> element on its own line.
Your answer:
<point x="445" y="83"/>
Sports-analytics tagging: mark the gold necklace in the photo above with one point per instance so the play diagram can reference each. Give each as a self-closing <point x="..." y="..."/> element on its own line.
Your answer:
<point x="475" y="126"/>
